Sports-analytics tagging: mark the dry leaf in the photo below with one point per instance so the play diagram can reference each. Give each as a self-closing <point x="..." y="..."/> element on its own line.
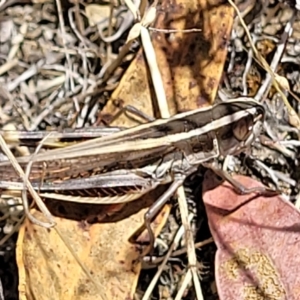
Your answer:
<point x="134" y="32"/>
<point x="149" y="16"/>
<point x="258" y="239"/>
<point x="283" y="82"/>
<point x="192" y="63"/>
<point x="134" y="89"/>
<point x="96" y="13"/>
<point x="49" y="271"/>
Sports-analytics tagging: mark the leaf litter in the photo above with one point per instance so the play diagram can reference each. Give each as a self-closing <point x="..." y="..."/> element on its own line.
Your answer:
<point x="52" y="79"/>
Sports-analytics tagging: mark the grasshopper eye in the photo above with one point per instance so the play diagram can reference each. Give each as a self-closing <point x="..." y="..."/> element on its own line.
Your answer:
<point x="243" y="128"/>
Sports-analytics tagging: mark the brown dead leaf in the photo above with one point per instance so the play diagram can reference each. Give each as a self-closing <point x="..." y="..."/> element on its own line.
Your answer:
<point x="192" y="63"/>
<point x="133" y="89"/>
<point x="258" y="240"/>
<point x="52" y="273"/>
<point x="49" y="271"/>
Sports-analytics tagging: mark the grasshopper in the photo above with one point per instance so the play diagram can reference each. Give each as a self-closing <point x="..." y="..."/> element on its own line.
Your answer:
<point x="117" y="165"/>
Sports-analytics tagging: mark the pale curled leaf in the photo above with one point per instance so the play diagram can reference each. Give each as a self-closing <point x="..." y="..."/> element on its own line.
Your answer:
<point x="283" y="82"/>
<point x="134" y="32"/>
<point x="258" y="240"/>
<point x="149" y="16"/>
<point x="97" y="13"/>
<point x="148" y="19"/>
<point x="294" y="119"/>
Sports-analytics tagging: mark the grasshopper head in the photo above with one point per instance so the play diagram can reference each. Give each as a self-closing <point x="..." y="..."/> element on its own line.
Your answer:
<point x="239" y="135"/>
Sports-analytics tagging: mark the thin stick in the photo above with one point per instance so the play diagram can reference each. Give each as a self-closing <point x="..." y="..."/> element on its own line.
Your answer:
<point x="155" y="73"/>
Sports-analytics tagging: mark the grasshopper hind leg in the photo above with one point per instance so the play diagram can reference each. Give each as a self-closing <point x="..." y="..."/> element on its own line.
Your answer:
<point x="154" y="210"/>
